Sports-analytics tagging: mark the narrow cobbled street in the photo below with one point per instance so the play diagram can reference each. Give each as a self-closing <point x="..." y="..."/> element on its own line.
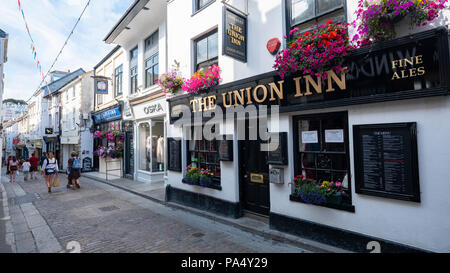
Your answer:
<point x="101" y="218"/>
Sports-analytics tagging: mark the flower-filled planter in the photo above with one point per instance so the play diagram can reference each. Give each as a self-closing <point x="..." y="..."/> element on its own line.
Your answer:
<point x="377" y="19"/>
<point x="318" y="193"/>
<point x="202" y="80"/>
<point x="171" y="82"/>
<point x="192" y="175"/>
<point x="315" y="52"/>
<point x="206" y="177"/>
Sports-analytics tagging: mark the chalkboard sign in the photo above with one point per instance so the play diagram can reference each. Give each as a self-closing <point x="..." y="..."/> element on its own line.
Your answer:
<point x="174" y="154"/>
<point x="87" y="165"/>
<point x="386" y="161"/>
<point x="225" y="148"/>
<point x="279" y="156"/>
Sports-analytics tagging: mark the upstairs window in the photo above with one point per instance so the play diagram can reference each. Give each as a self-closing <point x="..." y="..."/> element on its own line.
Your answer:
<point x="199" y="4"/>
<point x="118" y="81"/>
<point x="151" y="59"/>
<point x="133" y="70"/>
<point x="206" y="50"/>
<point x="304" y="13"/>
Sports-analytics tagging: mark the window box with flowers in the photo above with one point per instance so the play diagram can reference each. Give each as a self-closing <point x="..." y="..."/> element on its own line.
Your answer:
<point x="321" y="193"/>
<point x="200" y="177"/>
<point x="315" y="52"/>
<point x="376" y="20"/>
<point x="114" y="144"/>
<point x="202" y="81"/>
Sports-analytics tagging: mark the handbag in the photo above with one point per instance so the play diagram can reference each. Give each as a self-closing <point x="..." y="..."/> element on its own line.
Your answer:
<point x="56" y="182"/>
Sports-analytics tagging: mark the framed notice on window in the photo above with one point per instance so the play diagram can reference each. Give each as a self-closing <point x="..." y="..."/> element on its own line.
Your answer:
<point x="225" y="148"/>
<point x="386" y="161"/>
<point x="174" y="154"/>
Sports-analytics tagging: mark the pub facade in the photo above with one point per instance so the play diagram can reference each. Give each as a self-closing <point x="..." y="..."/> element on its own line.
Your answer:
<point x="375" y="131"/>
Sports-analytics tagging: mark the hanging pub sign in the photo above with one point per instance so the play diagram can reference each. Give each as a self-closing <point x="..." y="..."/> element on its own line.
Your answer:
<point x="48" y="131"/>
<point x="101" y="86"/>
<point x="234" y="35"/>
<point x="386" y="161"/>
<point x="405" y="68"/>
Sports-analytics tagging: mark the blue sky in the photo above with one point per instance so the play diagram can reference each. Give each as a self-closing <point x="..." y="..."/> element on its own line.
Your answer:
<point x="50" y="22"/>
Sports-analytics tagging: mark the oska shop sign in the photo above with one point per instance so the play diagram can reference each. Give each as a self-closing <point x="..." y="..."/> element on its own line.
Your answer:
<point x="410" y="67"/>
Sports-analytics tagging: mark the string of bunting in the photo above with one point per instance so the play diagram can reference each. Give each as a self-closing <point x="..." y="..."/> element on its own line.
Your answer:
<point x="33" y="45"/>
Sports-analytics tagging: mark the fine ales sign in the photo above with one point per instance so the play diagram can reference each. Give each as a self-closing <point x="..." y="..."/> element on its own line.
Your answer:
<point x="235" y="35"/>
<point x="410" y="67"/>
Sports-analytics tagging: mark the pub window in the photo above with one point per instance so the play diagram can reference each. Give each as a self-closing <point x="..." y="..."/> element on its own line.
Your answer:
<point x="151" y="59"/>
<point x="322" y="149"/>
<point x="133" y="70"/>
<point x="304" y="13"/>
<point x="118" y="80"/>
<point x="206" y="51"/>
<point x="204" y="154"/>
<point x="199" y="4"/>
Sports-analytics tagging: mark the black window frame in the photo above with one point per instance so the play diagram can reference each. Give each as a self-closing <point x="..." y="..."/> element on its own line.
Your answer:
<point x="134" y="70"/>
<point x="208" y="61"/>
<point x="151" y="67"/>
<point x="348" y="206"/>
<point x="288" y="16"/>
<point x="196" y="7"/>
<point x="190" y="153"/>
<point x="118" y="81"/>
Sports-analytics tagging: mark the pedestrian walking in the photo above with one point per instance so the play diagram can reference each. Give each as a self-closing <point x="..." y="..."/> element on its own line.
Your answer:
<point x="26" y="169"/>
<point x="34" y="162"/>
<point x="50" y="169"/>
<point x="7" y="164"/>
<point x="13" y="166"/>
<point x="74" y="166"/>
<point x="41" y="162"/>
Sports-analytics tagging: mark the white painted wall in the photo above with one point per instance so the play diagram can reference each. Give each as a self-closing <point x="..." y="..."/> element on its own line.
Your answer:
<point x="423" y="225"/>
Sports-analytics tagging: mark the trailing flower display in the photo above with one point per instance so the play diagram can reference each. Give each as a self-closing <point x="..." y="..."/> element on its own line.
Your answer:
<point x="315" y="52"/>
<point x="171" y="82"/>
<point x="376" y="18"/>
<point x="114" y="148"/>
<point x="202" y="80"/>
<point x="314" y="192"/>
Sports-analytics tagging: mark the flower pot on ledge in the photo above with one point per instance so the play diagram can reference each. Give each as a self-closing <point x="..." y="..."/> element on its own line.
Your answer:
<point x="205" y="181"/>
<point x="334" y="199"/>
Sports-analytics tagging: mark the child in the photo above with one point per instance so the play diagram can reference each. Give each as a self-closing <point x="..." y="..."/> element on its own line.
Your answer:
<point x="26" y="169"/>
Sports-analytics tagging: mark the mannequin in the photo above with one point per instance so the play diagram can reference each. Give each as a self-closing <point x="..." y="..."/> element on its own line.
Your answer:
<point x="160" y="152"/>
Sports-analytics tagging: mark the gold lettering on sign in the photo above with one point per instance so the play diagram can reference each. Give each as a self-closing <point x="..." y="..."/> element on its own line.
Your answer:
<point x="316" y="85"/>
<point x="239" y="97"/>
<point x="340" y="82"/>
<point x="275" y="89"/>
<point x="255" y="93"/>
<point x="408" y="71"/>
<point x="298" y="87"/>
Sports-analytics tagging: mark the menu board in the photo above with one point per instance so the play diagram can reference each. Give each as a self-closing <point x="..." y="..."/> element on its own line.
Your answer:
<point x="278" y="156"/>
<point x="174" y="154"/>
<point x="87" y="165"/>
<point x="386" y="162"/>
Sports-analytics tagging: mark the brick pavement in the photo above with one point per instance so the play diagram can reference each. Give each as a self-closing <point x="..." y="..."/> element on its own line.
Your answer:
<point x="104" y="219"/>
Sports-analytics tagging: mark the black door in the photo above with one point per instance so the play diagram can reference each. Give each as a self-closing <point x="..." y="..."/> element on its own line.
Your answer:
<point x="254" y="174"/>
<point x="96" y="165"/>
<point x="129" y="155"/>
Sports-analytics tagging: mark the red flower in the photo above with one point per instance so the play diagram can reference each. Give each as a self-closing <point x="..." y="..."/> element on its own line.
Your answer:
<point x="307" y="33"/>
<point x="329" y="22"/>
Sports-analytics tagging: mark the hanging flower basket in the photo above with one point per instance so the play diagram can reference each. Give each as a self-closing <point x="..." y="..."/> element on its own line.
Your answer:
<point x="376" y="19"/>
<point x="171" y="82"/>
<point x="201" y="80"/>
<point x="315" y="52"/>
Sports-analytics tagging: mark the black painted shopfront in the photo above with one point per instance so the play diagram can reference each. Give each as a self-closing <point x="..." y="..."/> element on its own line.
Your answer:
<point x="416" y="66"/>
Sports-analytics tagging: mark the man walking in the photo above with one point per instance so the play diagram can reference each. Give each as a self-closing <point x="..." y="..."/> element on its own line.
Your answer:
<point x="34" y="162"/>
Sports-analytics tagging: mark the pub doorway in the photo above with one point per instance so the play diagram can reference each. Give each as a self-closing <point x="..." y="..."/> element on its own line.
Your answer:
<point x="254" y="173"/>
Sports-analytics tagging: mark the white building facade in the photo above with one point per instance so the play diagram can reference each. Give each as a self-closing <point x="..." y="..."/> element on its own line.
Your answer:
<point x="144" y="40"/>
<point x="323" y="135"/>
<point x="77" y="98"/>
<point x="3" y="60"/>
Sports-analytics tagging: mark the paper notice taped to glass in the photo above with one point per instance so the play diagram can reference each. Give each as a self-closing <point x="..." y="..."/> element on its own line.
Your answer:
<point x="310" y="137"/>
<point x="334" y="136"/>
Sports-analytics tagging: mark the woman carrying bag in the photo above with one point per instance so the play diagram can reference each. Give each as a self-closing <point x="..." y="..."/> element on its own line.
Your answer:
<point x="50" y="168"/>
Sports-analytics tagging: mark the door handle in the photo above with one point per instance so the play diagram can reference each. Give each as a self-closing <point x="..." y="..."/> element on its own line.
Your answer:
<point x="245" y="176"/>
